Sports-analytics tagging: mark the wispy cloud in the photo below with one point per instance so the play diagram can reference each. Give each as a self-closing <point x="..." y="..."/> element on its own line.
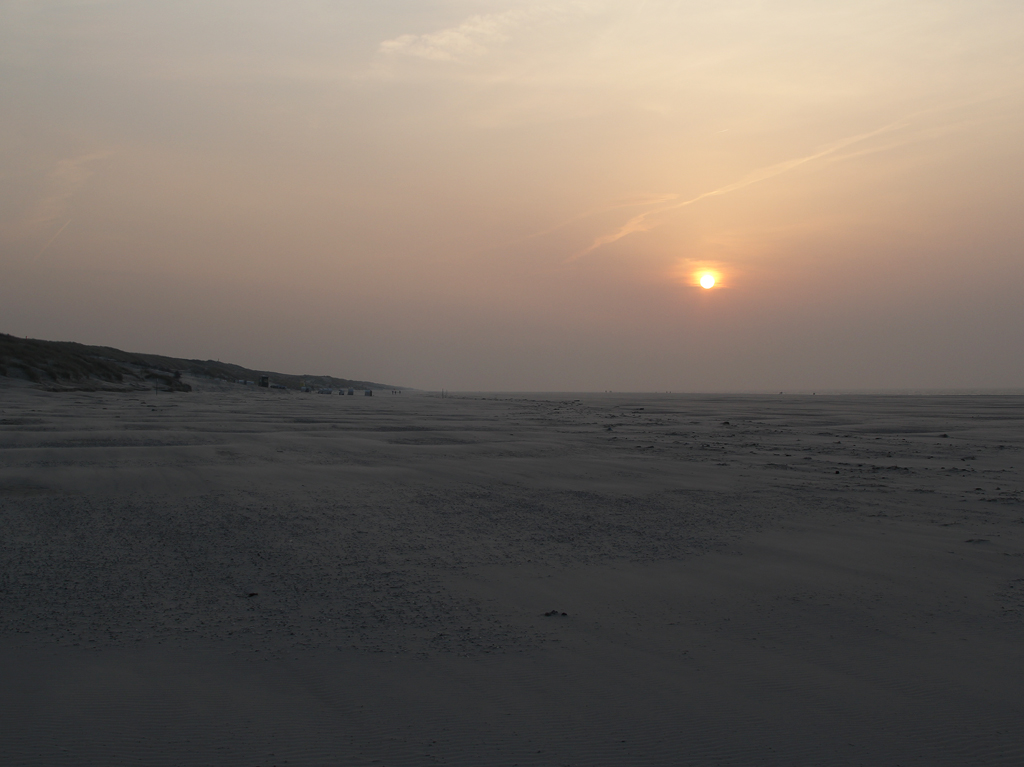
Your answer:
<point x="46" y="217"/>
<point x="647" y="199"/>
<point x="643" y="222"/>
<point x="50" y="241"/>
<point x="65" y="180"/>
<point x="473" y="37"/>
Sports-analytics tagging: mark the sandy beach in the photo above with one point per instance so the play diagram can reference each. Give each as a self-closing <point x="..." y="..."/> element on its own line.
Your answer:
<point x="237" y="576"/>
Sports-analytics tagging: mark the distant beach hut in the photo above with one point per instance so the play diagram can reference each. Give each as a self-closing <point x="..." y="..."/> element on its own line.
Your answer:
<point x="368" y="392"/>
<point x="265" y="382"/>
<point x="351" y="391"/>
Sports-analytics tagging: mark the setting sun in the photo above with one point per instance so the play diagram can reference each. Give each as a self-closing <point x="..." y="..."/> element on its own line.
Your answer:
<point x="707" y="281"/>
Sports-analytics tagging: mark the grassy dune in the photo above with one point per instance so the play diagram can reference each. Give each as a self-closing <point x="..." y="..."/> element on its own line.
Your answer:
<point x="66" y="364"/>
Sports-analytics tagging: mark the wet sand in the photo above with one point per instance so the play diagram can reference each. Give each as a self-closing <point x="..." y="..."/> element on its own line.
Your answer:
<point x="250" y="577"/>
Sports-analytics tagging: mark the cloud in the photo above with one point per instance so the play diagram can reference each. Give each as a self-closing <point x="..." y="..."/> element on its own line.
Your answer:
<point x="65" y="180"/>
<point x="645" y="199"/>
<point x="50" y="241"/>
<point x="473" y="37"/>
<point x="48" y="215"/>
<point x="642" y="222"/>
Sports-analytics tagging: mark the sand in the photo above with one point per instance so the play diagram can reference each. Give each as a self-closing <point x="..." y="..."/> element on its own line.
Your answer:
<point x="237" y="576"/>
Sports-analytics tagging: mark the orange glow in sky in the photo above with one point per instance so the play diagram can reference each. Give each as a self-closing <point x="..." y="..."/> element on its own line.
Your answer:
<point x="453" y="195"/>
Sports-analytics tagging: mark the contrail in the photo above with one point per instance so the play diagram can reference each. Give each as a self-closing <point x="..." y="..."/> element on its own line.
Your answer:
<point x="639" y="222"/>
<point x="55" y="236"/>
<point x="653" y="199"/>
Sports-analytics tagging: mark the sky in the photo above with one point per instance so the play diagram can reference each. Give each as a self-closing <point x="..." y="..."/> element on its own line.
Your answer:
<point x="488" y="195"/>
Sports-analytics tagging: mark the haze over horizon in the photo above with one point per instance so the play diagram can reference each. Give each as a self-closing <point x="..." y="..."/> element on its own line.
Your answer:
<point x="522" y="195"/>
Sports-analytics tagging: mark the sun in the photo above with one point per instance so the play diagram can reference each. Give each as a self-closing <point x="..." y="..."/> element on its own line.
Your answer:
<point x="702" y="274"/>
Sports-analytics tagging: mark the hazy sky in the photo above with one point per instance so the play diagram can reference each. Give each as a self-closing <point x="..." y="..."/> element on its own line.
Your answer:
<point x="519" y="195"/>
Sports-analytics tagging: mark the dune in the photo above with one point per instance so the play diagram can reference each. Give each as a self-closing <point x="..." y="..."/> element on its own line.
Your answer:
<point x="253" y="577"/>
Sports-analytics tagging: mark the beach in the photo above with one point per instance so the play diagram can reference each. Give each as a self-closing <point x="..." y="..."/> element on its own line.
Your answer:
<point x="241" y="576"/>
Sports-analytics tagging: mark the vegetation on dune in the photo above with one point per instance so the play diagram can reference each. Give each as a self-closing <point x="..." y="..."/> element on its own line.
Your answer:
<point x="39" y="361"/>
<point x="62" y="363"/>
<point x="56" y="364"/>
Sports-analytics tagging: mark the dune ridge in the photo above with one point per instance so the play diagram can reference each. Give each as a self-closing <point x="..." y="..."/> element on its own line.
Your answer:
<point x="69" y="366"/>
